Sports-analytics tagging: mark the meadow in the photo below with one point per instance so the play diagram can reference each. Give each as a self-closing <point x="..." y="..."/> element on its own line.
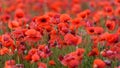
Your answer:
<point x="59" y="33"/>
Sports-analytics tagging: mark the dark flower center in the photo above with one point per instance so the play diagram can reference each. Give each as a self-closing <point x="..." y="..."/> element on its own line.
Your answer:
<point x="108" y="10"/>
<point x="43" y="20"/>
<point x="91" y="30"/>
<point x="108" y="26"/>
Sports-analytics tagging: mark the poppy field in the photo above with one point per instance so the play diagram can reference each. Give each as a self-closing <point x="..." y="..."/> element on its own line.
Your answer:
<point x="59" y="33"/>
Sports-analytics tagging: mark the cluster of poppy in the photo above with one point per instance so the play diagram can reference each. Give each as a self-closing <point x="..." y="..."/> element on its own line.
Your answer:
<point x="30" y="30"/>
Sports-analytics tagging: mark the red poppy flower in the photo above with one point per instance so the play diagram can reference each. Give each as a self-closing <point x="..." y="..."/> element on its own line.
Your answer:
<point x="73" y="64"/>
<point x="103" y="36"/>
<point x="96" y="18"/>
<point x="32" y="51"/>
<point x="108" y="10"/>
<point x="99" y="30"/>
<point x="19" y="13"/>
<point x="52" y="62"/>
<point x="7" y="40"/>
<point x="42" y="65"/>
<point x="95" y="30"/>
<point x="19" y="34"/>
<point x="73" y="59"/>
<point x="5" y="18"/>
<point x="35" y="57"/>
<point x="110" y="25"/>
<point x="84" y="14"/>
<point x="112" y="38"/>
<point x="4" y="51"/>
<point x="90" y="30"/>
<point x="41" y="47"/>
<point x="63" y="28"/>
<point x="72" y="40"/>
<point x="56" y="6"/>
<point x="94" y="52"/>
<point x="65" y="18"/>
<point x="76" y="22"/>
<point x="10" y="64"/>
<point x="32" y="35"/>
<point x="98" y="63"/>
<point x="42" y="20"/>
<point x="28" y="57"/>
<point x="75" y="9"/>
<point x="14" y="24"/>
